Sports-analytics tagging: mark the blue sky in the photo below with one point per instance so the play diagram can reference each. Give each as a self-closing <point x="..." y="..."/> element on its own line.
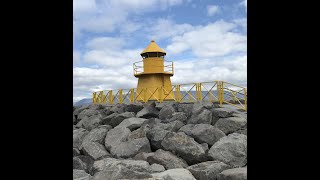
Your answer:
<point x="207" y="40"/>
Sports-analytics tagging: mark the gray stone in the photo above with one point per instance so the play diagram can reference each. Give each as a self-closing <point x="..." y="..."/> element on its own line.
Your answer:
<point x="116" y="136"/>
<point x="115" y="120"/>
<point x="133" y="108"/>
<point x="157" y="168"/>
<point x="78" y="164"/>
<point x="231" y="149"/>
<point x="76" y="152"/>
<point x="79" y="109"/>
<point x="139" y="133"/>
<point x="149" y="111"/>
<point x="233" y="174"/>
<point x="87" y="113"/>
<point x="118" y="108"/>
<point x="208" y="170"/>
<point x="186" y="108"/>
<point x="156" y="135"/>
<point x="132" y="123"/>
<point x="143" y="156"/>
<point x="167" y="111"/>
<point x="120" y="171"/>
<point x="203" y="133"/>
<point x="218" y="113"/>
<point x="167" y="159"/>
<point x="90" y="122"/>
<point x="80" y="175"/>
<point x="230" y="124"/>
<point x="205" y="147"/>
<point x="96" y="135"/>
<point x="173" y="126"/>
<point x="177" y="116"/>
<point x="242" y="130"/>
<point x="201" y="113"/>
<point x="185" y="147"/>
<point x="94" y="150"/>
<point x="106" y="120"/>
<point x="78" y="136"/>
<point x="74" y="120"/>
<point x="174" y="174"/>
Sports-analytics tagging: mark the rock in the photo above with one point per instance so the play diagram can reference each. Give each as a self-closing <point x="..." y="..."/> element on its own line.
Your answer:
<point x="106" y="120"/>
<point x="218" y="113"/>
<point x="118" y="108"/>
<point x="83" y="163"/>
<point x="185" y="147"/>
<point x="177" y="116"/>
<point x="167" y="111"/>
<point x="78" y="136"/>
<point x="173" y="126"/>
<point x="205" y="147"/>
<point x="132" y="123"/>
<point x="80" y="175"/>
<point x="139" y="133"/>
<point x="96" y="135"/>
<point x="130" y="148"/>
<point x="156" y="135"/>
<point x="186" y="108"/>
<point x="143" y="156"/>
<point x="201" y="113"/>
<point x="90" y="122"/>
<point x="242" y="115"/>
<point x="74" y="120"/>
<point x="133" y="108"/>
<point x="203" y="133"/>
<point x="167" y="159"/>
<point x="87" y="113"/>
<point x="79" y="109"/>
<point x="107" y="127"/>
<point x="208" y="170"/>
<point x="157" y="168"/>
<point x="115" y="119"/>
<point x="231" y="124"/>
<point x="231" y="149"/>
<point x="242" y="130"/>
<point x="148" y="111"/>
<point x="120" y="172"/>
<point x="233" y="174"/>
<point x="76" y="152"/>
<point x="116" y="143"/>
<point x="174" y="174"/>
<point x="94" y="150"/>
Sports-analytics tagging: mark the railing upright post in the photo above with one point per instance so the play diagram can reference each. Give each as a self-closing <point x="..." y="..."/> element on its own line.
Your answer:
<point x="131" y="95"/>
<point x="120" y="96"/>
<point x="110" y="97"/>
<point x="160" y="94"/>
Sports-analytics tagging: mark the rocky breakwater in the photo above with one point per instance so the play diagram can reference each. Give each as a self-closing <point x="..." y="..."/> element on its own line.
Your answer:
<point x="176" y="141"/>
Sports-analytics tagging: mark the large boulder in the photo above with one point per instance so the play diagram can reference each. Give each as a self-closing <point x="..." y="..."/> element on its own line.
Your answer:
<point x="116" y="143"/>
<point x="149" y="111"/>
<point x="80" y="175"/>
<point x="76" y="152"/>
<point x="208" y="170"/>
<point x="185" y="147"/>
<point x="230" y="124"/>
<point x="201" y="113"/>
<point x="231" y="149"/>
<point x="233" y="174"/>
<point x="133" y="108"/>
<point x="155" y="168"/>
<point x="132" y="123"/>
<point x="242" y="130"/>
<point x="115" y="119"/>
<point x="167" y="111"/>
<point x="185" y="108"/>
<point x="118" y="108"/>
<point x="79" y="109"/>
<point x="78" y="136"/>
<point x="156" y="135"/>
<point x="96" y="135"/>
<point x="143" y="156"/>
<point x="177" y="116"/>
<point x="174" y="174"/>
<point x="120" y="171"/>
<point x="203" y="133"/>
<point x="167" y="159"/>
<point x="87" y="113"/>
<point x="218" y="113"/>
<point x="139" y="133"/>
<point x="94" y="150"/>
<point x="83" y="163"/>
<point x="90" y="122"/>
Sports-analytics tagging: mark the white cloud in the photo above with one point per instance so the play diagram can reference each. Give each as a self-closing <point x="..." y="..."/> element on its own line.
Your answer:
<point x="212" y="40"/>
<point x="76" y="57"/>
<point x="212" y="10"/>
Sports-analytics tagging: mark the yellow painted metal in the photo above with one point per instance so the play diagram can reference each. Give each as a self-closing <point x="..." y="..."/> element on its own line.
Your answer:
<point x="120" y="96"/>
<point x="132" y="95"/>
<point x="110" y="97"/>
<point x="152" y="47"/>
<point x="94" y="98"/>
<point x="178" y="93"/>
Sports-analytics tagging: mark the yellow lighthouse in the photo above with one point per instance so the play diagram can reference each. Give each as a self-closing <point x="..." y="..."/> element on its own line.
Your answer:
<point x="153" y="74"/>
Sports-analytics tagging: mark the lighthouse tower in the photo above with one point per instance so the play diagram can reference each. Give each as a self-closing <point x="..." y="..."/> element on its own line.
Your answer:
<point x="153" y="74"/>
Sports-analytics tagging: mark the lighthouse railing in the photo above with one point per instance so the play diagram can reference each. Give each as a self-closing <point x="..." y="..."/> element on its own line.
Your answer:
<point x="218" y="92"/>
<point x="138" y="67"/>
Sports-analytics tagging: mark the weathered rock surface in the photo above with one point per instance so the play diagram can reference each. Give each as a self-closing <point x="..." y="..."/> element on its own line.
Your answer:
<point x="218" y="113"/>
<point x="167" y="159"/>
<point x="174" y="174"/>
<point x="148" y="111"/>
<point x="156" y="135"/>
<point x="94" y="150"/>
<point x="139" y="133"/>
<point x="185" y="147"/>
<point x="167" y="111"/>
<point x="185" y="108"/>
<point x="118" y="108"/>
<point x="208" y="170"/>
<point x="177" y="116"/>
<point x="115" y="119"/>
<point x="132" y="123"/>
<point x="201" y="113"/>
<point x="78" y="136"/>
<point x="83" y="163"/>
<point x="203" y="133"/>
<point x="233" y="174"/>
<point x="143" y="156"/>
<point x="90" y="122"/>
<point x="80" y="175"/>
<point x="96" y="135"/>
<point x="76" y="152"/>
<point x="230" y="124"/>
<point x="133" y="108"/>
<point x="231" y="149"/>
<point x="155" y="168"/>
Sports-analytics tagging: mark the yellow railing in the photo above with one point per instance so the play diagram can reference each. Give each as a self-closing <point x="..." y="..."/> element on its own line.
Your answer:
<point x="138" y="67"/>
<point x="219" y="92"/>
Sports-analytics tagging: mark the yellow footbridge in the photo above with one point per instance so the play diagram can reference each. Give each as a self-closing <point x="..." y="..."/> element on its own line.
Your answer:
<point x="218" y="92"/>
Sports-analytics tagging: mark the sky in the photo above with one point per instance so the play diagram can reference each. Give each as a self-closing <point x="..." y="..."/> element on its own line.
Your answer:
<point x="206" y="40"/>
